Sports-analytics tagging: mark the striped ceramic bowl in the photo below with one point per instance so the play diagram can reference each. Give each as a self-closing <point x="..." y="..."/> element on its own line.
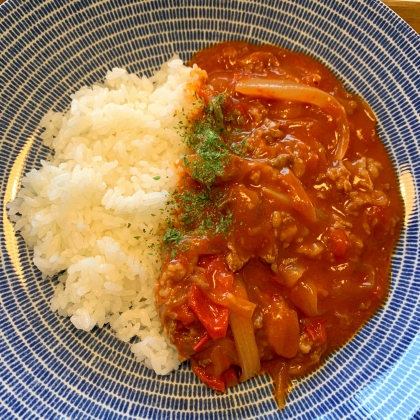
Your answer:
<point x="49" y="49"/>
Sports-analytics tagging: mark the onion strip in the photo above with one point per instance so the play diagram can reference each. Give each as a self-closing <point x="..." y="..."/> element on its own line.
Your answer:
<point x="292" y="91"/>
<point x="305" y="297"/>
<point x="236" y="305"/>
<point x="281" y="383"/>
<point x="299" y="199"/>
<point x="244" y="336"/>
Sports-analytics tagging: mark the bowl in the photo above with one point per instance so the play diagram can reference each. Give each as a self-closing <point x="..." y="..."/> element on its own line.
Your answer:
<point x="49" y="49"/>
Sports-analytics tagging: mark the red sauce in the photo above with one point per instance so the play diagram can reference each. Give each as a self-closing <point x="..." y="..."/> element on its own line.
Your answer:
<point x="304" y="259"/>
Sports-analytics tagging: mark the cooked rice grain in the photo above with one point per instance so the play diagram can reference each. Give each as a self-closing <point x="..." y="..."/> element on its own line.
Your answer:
<point x="93" y="210"/>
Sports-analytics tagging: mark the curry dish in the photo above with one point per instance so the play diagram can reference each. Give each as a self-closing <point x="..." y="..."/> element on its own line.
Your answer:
<point x="284" y="221"/>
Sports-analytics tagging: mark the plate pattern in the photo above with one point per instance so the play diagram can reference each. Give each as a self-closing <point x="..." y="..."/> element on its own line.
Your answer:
<point x="49" y="49"/>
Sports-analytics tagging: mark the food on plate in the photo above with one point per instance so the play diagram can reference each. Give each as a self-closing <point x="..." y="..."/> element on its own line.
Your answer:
<point x="284" y="221"/>
<point x="240" y="213"/>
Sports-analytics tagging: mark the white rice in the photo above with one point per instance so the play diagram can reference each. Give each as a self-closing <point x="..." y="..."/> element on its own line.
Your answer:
<point x="112" y="169"/>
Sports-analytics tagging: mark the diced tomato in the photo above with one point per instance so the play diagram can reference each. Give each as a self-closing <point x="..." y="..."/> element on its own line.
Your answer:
<point x="209" y="262"/>
<point x="203" y="92"/>
<point x="222" y="355"/>
<point x="184" y="314"/>
<point x="339" y="242"/>
<point x="216" y="383"/>
<point x="215" y="364"/>
<point x="214" y="317"/>
<point x="315" y="329"/>
<point x="217" y="273"/>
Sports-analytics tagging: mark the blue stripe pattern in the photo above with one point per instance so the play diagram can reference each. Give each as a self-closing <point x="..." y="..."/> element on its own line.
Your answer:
<point x="51" y="48"/>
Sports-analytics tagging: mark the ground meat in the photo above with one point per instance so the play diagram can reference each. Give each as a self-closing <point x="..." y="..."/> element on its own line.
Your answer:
<point x="233" y="260"/>
<point x="340" y="175"/>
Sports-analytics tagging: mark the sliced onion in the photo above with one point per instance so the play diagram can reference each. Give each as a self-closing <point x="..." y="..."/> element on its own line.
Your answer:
<point x="295" y="197"/>
<point x="236" y="305"/>
<point x="305" y="297"/>
<point x="291" y="274"/>
<point x="284" y="198"/>
<point x="244" y="336"/>
<point x="281" y="383"/>
<point x="291" y="91"/>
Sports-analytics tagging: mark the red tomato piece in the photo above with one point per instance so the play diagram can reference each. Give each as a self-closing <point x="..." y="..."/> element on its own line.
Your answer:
<point x="216" y="383"/>
<point x="214" y="317"/>
<point x="339" y="242"/>
<point x="218" y="274"/>
<point x="316" y="331"/>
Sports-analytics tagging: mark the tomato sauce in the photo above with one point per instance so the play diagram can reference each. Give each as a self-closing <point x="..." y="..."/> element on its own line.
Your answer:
<point x="288" y="254"/>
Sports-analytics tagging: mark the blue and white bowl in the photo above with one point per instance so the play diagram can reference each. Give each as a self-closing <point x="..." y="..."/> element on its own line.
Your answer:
<point x="49" y="49"/>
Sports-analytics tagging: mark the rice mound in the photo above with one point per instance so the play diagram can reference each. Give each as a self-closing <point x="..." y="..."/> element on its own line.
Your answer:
<point x="92" y="211"/>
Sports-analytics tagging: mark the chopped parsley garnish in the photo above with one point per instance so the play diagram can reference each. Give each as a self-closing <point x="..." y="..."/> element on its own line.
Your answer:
<point x="172" y="236"/>
<point x="205" y="136"/>
<point x="172" y="239"/>
<point x="195" y="206"/>
<point x="224" y="223"/>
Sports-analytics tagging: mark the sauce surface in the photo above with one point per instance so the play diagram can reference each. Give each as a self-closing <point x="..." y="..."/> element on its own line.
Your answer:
<point x="285" y="220"/>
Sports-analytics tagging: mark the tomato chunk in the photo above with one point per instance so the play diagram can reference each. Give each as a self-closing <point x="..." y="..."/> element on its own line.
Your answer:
<point x="219" y="278"/>
<point x="214" y="317"/>
<point x="316" y="331"/>
<point x="339" y="242"/>
<point x="216" y="383"/>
